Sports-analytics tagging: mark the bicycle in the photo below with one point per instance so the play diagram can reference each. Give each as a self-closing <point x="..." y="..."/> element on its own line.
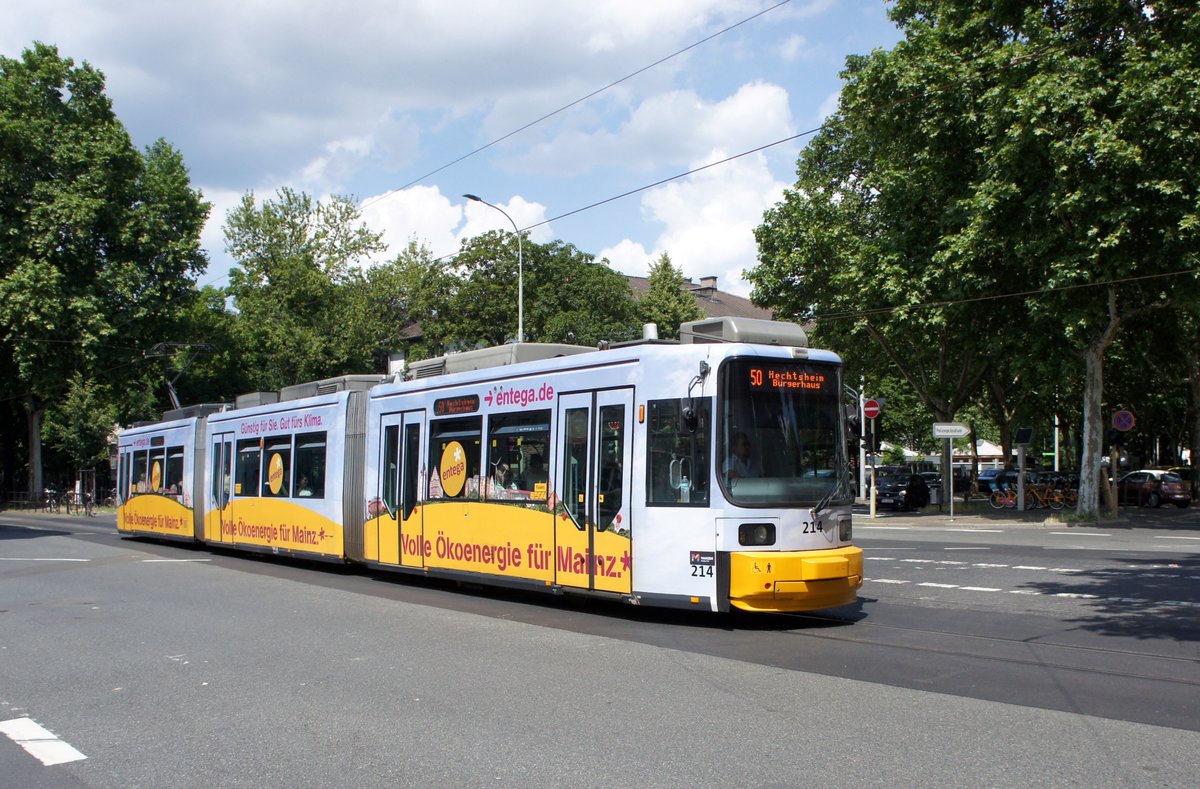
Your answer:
<point x="1006" y="497"/>
<point x="49" y="500"/>
<point x="1045" y="495"/>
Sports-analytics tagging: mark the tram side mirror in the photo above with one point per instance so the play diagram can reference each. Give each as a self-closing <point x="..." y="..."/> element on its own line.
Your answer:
<point x="688" y="421"/>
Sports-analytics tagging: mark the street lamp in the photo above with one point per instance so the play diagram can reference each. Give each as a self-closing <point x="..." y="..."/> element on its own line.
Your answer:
<point x="520" y="268"/>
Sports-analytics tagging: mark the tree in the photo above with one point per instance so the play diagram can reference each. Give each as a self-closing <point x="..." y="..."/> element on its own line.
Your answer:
<point x="80" y="424"/>
<point x="472" y="301"/>
<point x="297" y="287"/>
<point x="666" y="303"/>
<point x="1041" y="149"/>
<point x="100" y="240"/>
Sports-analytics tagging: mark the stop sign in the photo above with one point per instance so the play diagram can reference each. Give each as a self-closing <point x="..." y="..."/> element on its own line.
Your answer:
<point x="871" y="409"/>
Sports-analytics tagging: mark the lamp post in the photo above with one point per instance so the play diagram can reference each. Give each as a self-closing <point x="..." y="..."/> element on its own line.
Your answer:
<point x="520" y="268"/>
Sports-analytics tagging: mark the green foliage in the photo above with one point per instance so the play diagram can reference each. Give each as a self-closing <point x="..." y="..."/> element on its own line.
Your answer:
<point x="98" y="241"/>
<point x="666" y="302"/>
<point x="297" y="286"/>
<point x="995" y="197"/>
<point x="80" y="424"/>
<point x="472" y="302"/>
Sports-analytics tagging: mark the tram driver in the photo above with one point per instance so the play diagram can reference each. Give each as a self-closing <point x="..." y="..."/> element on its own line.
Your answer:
<point x="739" y="463"/>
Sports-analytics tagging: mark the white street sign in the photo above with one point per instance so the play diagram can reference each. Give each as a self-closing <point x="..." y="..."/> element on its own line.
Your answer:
<point x="950" y="430"/>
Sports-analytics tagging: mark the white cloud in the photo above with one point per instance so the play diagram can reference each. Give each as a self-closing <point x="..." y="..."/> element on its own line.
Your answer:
<point x="793" y="47"/>
<point x="667" y="128"/>
<point x="629" y="257"/>
<point x="709" y="221"/>
<point x="441" y="223"/>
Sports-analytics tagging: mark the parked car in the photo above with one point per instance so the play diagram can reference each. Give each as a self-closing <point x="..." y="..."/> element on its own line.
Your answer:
<point x="887" y="471"/>
<point x="1151" y="487"/>
<point x="902" y="491"/>
<point x="1188" y="474"/>
<point x="995" y="478"/>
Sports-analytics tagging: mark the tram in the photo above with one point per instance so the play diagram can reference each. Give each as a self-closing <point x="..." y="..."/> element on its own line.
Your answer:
<point x="706" y="474"/>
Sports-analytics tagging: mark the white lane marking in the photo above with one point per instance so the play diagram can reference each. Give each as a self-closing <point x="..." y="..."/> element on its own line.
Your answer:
<point x="1036" y="593"/>
<point x="1080" y="534"/>
<point x="174" y="561"/>
<point x="22" y="559"/>
<point x="1173" y="537"/>
<point x="983" y="564"/>
<point x="976" y="531"/>
<point x="39" y="742"/>
<point x="1027" y="567"/>
<point x="890" y="528"/>
<point x="970" y="548"/>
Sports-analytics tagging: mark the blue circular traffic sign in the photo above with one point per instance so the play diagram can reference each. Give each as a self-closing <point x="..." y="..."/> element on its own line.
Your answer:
<point x="1123" y="420"/>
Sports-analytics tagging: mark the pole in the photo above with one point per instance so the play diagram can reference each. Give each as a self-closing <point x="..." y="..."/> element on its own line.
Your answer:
<point x="862" y="449"/>
<point x="520" y="267"/>
<point x="873" y="480"/>
<point x="950" y="452"/>
<point x="1020" y="478"/>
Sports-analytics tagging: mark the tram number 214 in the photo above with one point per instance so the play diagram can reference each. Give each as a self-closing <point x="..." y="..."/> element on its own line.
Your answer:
<point x="812" y="527"/>
<point x="702" y="563"/>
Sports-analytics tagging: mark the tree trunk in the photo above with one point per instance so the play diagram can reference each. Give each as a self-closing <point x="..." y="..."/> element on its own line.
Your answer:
<point x="34" y="423"/>
<point x="1193" y="367"/>
<point x="1093" y="427"/>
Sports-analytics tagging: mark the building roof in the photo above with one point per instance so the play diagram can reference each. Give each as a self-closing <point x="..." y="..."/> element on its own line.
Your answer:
<point x="714" y="302"/>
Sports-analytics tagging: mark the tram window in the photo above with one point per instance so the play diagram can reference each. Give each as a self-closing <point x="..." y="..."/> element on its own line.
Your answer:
<point x="220" y="473"/>
<point x="782" y="440"/>
<point x="246" y="473"/>
<point x="123" y="476"/>
<point x="412" y="467"/>
<point x="173" y="481"/>
<point x="612" y="455"/>
<point x="141" y="467"/>
<point x="573" y="482"/>
<point x="454" y="446"/>
<point x="516" y="455"/>
<point x="279" y="467"/>
<point x="391" y="466"/>
<point x="310" y="465"/>
<point x="677" y="461"/>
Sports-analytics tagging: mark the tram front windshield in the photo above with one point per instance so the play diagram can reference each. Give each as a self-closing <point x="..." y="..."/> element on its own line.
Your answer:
<point x="782" y="440"/>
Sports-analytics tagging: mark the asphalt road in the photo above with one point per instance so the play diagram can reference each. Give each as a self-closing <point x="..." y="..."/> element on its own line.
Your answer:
<point x="982" y="652"/>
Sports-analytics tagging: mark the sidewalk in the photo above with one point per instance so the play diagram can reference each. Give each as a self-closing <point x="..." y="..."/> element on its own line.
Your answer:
<point x="980" y="515"/>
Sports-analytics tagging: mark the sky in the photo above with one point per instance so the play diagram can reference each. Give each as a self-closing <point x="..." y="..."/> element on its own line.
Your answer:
<point x="575" y="117"/>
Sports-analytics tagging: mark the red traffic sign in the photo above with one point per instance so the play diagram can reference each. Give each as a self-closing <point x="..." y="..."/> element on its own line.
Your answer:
<point x="871" y="408"/>
<point x="1123" y="420"/>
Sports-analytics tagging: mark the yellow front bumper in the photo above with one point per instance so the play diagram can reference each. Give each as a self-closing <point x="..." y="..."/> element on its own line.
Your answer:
<point x="794" y="580"/>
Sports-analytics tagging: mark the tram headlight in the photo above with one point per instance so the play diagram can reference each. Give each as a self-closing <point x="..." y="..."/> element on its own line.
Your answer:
<point x="845" y="529"/>
<point x="756" y="534"/>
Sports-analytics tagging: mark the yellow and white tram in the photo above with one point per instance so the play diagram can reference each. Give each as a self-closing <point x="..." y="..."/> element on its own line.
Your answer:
<point x="706" y="474"/>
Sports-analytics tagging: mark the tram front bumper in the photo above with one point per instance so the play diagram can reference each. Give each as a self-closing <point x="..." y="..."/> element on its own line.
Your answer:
<point x="794" y="580"/>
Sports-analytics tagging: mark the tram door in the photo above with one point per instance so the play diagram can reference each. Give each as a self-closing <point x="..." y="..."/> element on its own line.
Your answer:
<point x="400" y="479"/>
<point x="218" y="523"/>
<point x="593" y="549"/>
